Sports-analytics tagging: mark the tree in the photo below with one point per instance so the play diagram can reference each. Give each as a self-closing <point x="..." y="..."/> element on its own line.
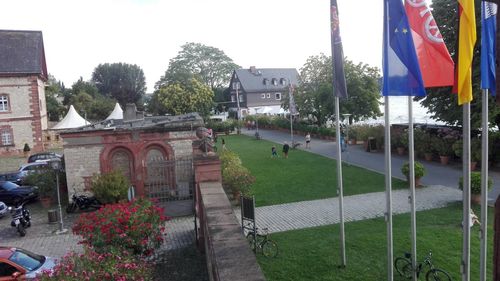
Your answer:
<point x="53" y="90"/>
<point x="181" y="98"/>
<point x="86" y="99"/>
<point x="440" y="102"/>
<point x="207" y="64"/>
<point x="124" y="82"/>
<point x="314" y="94"/>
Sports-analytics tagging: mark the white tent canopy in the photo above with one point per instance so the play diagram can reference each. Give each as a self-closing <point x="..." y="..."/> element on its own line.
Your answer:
<point x="71" y="120"/>
<point x="117" y="113"/>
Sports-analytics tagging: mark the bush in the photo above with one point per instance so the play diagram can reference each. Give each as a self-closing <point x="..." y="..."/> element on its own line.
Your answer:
<point x="114" y="265"/>
<point x="46" y="182"/>
<point x="26" y="147"/>
<point x="475" y="183"/>
<point x="235" y="177"/>
<point x="419" y="169"/>
<point x="136" y="227"/>
<point x="111" y="187"/>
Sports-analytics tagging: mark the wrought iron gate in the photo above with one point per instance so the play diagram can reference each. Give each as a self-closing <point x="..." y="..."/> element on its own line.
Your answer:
<point x="170" y="183"/>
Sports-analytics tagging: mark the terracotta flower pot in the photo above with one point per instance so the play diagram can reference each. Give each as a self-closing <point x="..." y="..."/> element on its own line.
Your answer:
<point x="400" y="150"/>
<point x="428" y="156"/>
<point x="473" y="166"/>
<point x="444" y="159"/>
<point x="475" y="199"/>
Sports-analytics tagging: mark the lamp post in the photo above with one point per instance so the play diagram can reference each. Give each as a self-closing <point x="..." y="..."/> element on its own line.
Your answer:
<point x="257" y="122"/>
<point x="55" y="164"/>
<point x="346" y="116"/>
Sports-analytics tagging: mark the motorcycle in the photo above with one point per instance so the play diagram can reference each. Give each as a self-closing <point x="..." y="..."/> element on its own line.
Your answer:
<point x="21" y="218"/>
<point x="82" y="202"/>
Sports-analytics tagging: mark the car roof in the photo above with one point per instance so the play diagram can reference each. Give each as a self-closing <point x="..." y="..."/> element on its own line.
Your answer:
<point x="6" y="252"/>
<point x="34" y="164"/>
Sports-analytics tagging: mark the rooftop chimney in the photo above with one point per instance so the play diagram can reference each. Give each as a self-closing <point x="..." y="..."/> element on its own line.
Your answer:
<point x="253" y="70"/>
<point x="131" y="113"/>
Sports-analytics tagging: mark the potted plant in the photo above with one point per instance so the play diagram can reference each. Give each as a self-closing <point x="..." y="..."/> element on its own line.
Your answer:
<point x="46" y="183"/>
<point x="419" y="172"/>
<point x="423" y="141"/>
<point x="26" y="149"/>
<point x="353" y="134"/>
<point x="475" y="151"/>
<point x="475" y="186"/>
<point x="443" y="148"/>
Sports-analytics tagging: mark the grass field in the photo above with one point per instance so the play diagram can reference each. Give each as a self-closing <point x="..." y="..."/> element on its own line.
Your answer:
<point x="303" y="176"/>
<point x="314" y="253"/>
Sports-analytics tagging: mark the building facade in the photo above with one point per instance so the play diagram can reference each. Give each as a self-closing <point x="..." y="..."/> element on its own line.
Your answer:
<point x="23" y="73"/>
<point x="260" y="90"/>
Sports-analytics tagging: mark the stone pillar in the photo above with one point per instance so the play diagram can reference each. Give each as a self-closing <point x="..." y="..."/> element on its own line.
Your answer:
<point x="496" y="242"/>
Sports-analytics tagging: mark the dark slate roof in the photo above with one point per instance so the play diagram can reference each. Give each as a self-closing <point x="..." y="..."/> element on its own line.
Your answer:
<point x="252" y="79"/>
<point x="22" y="52"/>
<point x="185" y="122"/>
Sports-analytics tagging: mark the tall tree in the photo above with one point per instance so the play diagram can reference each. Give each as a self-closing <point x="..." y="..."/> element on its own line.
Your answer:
<point x="87" y="101"/>
<point x="207" y="64"/>
<point x="440" y="102"/>
<point x="181" y="98"/>
<point x="314" y="95"/>
<point x="53" y="90"/>
<point x="124" y="82"/>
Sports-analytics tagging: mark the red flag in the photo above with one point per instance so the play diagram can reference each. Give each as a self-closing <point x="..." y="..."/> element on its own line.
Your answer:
<point x="435" y="61"/>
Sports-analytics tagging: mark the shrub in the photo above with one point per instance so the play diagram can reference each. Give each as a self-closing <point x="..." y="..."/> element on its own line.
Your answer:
<point x="136" y="227"/>
<point x="475" y="183"/>
<point x="26" y="147"/>
<point x="419" y="169"/>
<point x="114" y="265"/>
<point x="110" y="187"/>
<point x="46" y="182"/>
<point x="235" y="177"/>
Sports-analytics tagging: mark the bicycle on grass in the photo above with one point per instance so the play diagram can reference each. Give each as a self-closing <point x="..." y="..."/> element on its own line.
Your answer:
<point x="263" y="243"/>
<point x="405" y="269"/>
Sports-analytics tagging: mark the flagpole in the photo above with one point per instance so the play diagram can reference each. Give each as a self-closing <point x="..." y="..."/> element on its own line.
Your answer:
<point x="388" y="191"/>
<point x="484" y="188"/>
<point x="291" y="114"/>
<point x="411" y="165"/>
<point x="466" y="193"/>
<point x="340" y="189"/>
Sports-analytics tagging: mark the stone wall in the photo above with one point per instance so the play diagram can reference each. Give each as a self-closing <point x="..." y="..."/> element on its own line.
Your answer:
<point x="81" y="162"/>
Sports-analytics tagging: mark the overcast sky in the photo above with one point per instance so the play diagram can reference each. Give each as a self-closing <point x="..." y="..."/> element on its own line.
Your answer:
<point x="79" y="35"/>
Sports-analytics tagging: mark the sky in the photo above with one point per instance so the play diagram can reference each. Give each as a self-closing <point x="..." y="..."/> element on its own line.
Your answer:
<point x="79" y="35"/>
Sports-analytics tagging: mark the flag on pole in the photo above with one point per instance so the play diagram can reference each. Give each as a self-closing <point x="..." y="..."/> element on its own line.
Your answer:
<point x="488" y="45"/>
<point x="402" y="76"/>
<point x="435" y="62"/>
<point x="466" y="42"/>
<point x="339" y="85"/>
<point x="292" y="107"/>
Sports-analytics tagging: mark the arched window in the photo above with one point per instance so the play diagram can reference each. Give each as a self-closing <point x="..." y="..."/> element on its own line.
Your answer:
<point x="121" y="160"/>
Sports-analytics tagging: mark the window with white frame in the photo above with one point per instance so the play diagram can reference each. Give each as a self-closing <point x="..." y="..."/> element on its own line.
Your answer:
<point x="4" y="103"/>
<point x="278" y="96"/>
<point x="262" y="96"/>
<point x="6" y="136"/>
<point x="242" y="98"/>
<point x="268" y="95"/>
<point x="233" y="98"/>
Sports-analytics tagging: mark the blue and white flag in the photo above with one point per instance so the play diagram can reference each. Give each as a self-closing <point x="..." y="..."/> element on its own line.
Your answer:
<point x="401" y="70"/>
<point x="488" y="45"/>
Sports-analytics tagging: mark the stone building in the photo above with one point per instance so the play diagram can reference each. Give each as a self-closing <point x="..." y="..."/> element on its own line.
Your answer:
<point x="23" y="73"/>
<point x="134" y="145"/>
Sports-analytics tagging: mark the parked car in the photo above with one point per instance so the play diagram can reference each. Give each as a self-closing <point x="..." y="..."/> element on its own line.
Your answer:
<point x="44" y="157"/>
<point x="3" y="209"/>
<point x="11" y="192"/>
<point x="20" y="264"/>
<point x="25" y="170"/>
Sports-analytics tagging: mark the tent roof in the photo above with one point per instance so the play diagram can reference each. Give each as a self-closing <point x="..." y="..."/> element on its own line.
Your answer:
<point x="71" y="120"/>
<point x="117" y="113"/>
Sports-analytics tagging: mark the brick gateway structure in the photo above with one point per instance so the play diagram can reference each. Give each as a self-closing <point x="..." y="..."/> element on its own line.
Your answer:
<point x="128" y="145"/>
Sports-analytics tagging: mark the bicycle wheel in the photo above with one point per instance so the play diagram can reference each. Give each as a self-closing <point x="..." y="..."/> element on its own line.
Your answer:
<point x="251" y="241"/>
<point x="270" y="249"/>
<point x="437" y="274"/>
<point x="403" y="267"/>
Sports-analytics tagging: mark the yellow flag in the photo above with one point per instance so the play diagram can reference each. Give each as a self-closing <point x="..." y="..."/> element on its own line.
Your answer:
<point x="466" y="42"/>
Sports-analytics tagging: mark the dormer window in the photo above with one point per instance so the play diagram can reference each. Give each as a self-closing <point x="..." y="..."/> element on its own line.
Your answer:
<point x="265" y="81"/>
<point x="283" y="81"/>
<point x="275" y="82"/>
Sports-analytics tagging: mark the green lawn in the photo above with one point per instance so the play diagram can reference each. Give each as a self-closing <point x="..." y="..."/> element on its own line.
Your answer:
<point x="314" y="253"/>
<point x="303" y="176"/>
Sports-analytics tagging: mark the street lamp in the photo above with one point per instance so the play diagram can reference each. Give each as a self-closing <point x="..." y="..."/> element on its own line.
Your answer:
<point x="257" y="135"/>
<point x="56" y="165"/>
<point x="346" y="117"/>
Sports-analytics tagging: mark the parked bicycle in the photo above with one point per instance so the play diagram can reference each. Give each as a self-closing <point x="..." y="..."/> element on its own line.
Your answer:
<point x="405" y="269"/>
<point x="263" y="243"/>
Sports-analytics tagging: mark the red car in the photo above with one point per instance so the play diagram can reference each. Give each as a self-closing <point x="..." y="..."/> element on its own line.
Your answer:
<point x="19" y="264"/>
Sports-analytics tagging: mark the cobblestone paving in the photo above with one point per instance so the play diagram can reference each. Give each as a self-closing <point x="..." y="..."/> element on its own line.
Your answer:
<point x="305" y="214"/>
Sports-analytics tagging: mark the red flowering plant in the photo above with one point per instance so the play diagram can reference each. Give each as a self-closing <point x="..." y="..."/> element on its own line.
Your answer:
<point x="135" y="226"/>
<point x="92" y="266"/>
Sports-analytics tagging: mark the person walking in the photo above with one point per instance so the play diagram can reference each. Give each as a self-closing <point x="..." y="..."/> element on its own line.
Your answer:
<point x="274" y="153"/>
<point x="286" y="148"/>
<point x="308" y="140"/>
